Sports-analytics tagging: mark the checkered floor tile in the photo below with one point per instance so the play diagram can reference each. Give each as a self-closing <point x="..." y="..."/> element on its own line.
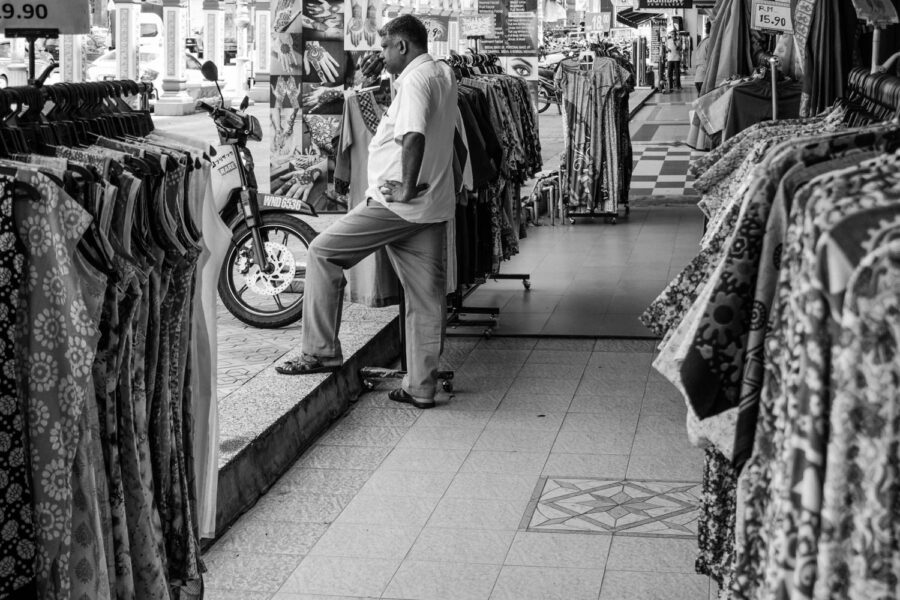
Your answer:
<point x="661" y="170"/>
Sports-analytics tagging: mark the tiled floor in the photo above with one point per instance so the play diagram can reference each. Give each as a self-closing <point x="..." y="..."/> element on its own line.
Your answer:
<point x="559" y="469"/>
<point x="592" y="278"/>
<point x="547" y="475"/>
<point x="662" y="170"/>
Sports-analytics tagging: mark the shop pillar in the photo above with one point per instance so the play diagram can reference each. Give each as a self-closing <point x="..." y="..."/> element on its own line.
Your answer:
<point x="238" y="83"/>
<point x="174" y="99"/>
<point x="17" y="70"/>
<point x="128" y="39"/>
<point x="214" y="33"/>
<point x="262" y="52"/>
<point x="71" y="68"/>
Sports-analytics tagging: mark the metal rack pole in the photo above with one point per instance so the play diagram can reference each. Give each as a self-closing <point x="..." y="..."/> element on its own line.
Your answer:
<point x="876" y="46"/>
<point x="773" y="73"/>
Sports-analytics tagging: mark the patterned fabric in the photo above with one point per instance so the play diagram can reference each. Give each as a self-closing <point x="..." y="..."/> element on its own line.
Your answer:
<point x="784" y="479"/>
<point x="17" y="544"/>
<point x="712" y="371"/>
<point x="715" y="531"/>
<point x="371" y="112"/>
<point x="723" y="187"/>
<point x="858" y="555"/>
<point x="752" y="379"/>
<point x="57" y="340"/>
<point x="592" y="174"/>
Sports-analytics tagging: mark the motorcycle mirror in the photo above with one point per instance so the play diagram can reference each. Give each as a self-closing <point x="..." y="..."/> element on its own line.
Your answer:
<point x="245" y="103"/>
<point x="210" y="71"/>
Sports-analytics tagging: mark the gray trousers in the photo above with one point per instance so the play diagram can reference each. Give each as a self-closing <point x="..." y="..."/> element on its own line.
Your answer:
<point x="416" y="250"/>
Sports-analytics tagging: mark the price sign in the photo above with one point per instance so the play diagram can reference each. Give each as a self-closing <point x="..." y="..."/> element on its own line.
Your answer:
<point x="68" y="16"/>
<point x="772" y="16"/>
<point x="876" y="12"/>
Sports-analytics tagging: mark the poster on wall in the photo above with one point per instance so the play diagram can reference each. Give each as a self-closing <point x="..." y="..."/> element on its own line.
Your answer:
<point x="287" y="16"/>
<point x="363" y="19"/>
<point x="523" y="66"/>
<point x="309" y="69"/>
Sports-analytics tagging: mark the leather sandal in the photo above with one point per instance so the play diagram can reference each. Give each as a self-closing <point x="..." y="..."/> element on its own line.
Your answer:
<point x="300" y="367"/>
<point x="400" y="395"/>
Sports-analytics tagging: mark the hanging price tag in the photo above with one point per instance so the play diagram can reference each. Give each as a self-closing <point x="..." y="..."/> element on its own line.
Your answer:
<point x="68" y="16"/>
<point x="772" y="16"/>
<point x="876" y="12"/>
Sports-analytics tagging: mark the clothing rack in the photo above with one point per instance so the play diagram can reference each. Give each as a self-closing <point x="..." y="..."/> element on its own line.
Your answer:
<point x="487" y="64"/>
<point x="878" y="92"/>
<point x="457" y="308"/>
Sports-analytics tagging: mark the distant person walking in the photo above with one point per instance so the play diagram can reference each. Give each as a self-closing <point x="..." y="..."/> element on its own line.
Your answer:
<point x="673" y="56"/>
<point x="702" y="57"/>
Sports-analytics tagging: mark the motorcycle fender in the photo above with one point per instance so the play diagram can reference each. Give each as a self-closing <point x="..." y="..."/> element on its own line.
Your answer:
<point x="234" y="218"/>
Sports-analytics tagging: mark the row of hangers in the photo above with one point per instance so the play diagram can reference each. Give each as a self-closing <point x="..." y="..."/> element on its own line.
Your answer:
<point x="70" y="114"/>
<point x="473" y="63"/>
<point x="877" y="93"/>
<point x="36" y="119"/>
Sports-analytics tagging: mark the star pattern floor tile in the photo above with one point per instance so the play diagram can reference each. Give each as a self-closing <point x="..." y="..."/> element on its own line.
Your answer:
<point x="615" y="506"/>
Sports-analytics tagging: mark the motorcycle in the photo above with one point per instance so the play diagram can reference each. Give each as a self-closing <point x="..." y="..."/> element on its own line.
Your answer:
<point x="547" y="90"/>
<point x="262" y="279"/>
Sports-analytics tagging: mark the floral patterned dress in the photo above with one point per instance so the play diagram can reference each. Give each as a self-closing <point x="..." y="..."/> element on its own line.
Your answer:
<point x="57" y="339"/>
<point x="779" y="531"/>
<point x="859" y="557"/>
<point x="17" y="544"/>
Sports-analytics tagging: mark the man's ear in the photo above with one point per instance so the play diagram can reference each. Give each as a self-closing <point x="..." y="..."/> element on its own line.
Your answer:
<point x="403" y="46"/>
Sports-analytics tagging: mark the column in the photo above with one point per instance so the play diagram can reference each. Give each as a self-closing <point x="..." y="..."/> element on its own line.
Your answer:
<point x="17" y="70"/>
<point x="214" y="33"/>
<point x="242" y="58"/>
<point x="70" y="64"/>
<point x="174" y="99"/>
<point x="262" y="52"/>
<point x="128" y="39"/>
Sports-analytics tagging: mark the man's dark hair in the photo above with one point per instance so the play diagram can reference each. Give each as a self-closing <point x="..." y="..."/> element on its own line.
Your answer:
<point x="408" y="27"/>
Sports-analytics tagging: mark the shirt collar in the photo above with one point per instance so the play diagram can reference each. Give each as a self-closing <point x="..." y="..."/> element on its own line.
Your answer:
<point x="412" y="66"/>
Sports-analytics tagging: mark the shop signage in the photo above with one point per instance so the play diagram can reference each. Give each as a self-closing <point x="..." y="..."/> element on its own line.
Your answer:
<point x="665" y="4"/>
<point x="67" y="16"/>
<point x="876" y="12"/>
<point x="516" y="26"/>
<point x="481" y="26"/>
<point x="771" y="16"/>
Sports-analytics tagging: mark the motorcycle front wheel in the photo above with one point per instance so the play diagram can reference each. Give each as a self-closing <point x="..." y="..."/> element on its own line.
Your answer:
<point x="262" y="299"/>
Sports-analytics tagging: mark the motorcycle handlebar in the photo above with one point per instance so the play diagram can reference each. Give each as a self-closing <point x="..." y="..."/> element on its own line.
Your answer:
<point x="227" y="116"/>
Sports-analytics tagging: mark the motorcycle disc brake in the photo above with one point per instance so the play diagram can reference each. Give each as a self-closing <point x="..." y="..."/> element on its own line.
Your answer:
<point x="281" y="276"/>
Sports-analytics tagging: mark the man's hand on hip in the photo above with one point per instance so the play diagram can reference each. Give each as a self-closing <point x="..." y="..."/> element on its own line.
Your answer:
<point x="394" y="191"/>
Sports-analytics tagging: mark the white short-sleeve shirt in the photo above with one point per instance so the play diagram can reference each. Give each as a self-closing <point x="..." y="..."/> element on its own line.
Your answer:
<point x="425" y="102"/>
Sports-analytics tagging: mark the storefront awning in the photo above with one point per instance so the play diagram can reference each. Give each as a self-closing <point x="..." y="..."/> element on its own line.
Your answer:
<point x="633" y="18"/>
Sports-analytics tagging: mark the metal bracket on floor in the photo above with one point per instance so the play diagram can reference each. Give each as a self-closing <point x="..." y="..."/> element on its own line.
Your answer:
<point x="369" y="375"/>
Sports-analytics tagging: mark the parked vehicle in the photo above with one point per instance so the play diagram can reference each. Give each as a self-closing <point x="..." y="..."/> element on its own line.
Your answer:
<point x="194" y="45"/>
<point x="230" y="50"/>
<point x="263" y="278"/>
<point x="41" y="62"/>
<point x="150" y="63"/>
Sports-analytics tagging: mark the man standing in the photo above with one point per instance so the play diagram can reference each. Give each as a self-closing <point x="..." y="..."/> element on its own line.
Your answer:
<point x="673" y="56"/>
<point x="409" y="199"/>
